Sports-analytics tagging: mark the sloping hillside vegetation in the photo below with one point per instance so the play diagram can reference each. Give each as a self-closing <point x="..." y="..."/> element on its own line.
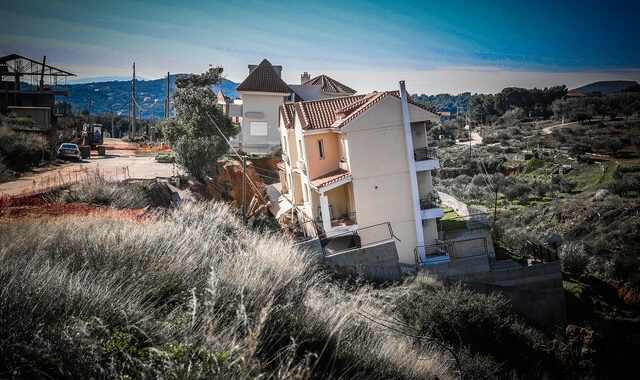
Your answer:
<point x="114" y="288"/>
<point x="186" y="294"/>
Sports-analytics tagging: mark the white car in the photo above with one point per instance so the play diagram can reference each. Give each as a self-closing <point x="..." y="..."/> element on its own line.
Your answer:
<point x="68" y="150"/>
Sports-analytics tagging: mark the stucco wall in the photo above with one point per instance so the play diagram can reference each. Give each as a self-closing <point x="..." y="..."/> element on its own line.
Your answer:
<point x="268" y="105"/>
<point x="316" y="166"/>
<point x="339" y="200"/>
<point x="425" y="183"/>
<point x="381" y="182"/>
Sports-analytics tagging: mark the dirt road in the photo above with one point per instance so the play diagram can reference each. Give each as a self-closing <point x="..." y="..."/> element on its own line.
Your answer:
<point x="476" y="139"/>
<point x="122" y="161"/>
<point x="548" y="130"/>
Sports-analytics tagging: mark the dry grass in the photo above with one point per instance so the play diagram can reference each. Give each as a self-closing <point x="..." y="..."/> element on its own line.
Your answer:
<point x="187" y="294"/>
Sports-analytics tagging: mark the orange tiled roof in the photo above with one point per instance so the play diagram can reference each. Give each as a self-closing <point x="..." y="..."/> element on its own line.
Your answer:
<point x="336" y="112"/>
<point x="329" y="85"/>
<point x="330" y="178"/>
<point x="287" y="114"/>
<point x="320" y="114"/>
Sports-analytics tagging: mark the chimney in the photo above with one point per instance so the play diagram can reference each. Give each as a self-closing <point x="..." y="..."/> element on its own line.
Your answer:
<point x="304" y="77"/>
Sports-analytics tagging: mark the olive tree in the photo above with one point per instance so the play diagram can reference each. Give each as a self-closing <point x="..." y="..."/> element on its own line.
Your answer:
<point x="199" y="130"/>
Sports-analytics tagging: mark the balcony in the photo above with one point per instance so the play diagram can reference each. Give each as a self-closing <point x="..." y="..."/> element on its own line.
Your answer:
<point x="343" y="165"/>
<point x="430" y="207"/>
<point x="433" y="253"/>
<point x="339" y="224"/>
<point x="426" y="159"/>
<point x="301" y="165"/>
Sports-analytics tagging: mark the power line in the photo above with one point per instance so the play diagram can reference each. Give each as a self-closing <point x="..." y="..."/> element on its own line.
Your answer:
<point x="255" y="188"/>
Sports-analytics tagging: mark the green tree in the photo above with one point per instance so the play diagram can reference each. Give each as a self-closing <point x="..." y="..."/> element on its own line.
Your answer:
<point x="615" y="145"/>
<point x="578" y="150"/>
<point x="198" y="132"/>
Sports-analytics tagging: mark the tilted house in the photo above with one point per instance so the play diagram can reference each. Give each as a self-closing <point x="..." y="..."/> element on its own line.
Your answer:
<point x="263" y="91"/>
<point x="355" y="163"/>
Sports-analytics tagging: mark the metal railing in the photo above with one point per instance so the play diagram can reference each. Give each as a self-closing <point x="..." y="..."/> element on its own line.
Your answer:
<point x="357" y="237"/>
<point x="301" y="231"/>
<point x="449" y="249"/>
<point x="424" y="153"/>
<point x="536" y="252"/>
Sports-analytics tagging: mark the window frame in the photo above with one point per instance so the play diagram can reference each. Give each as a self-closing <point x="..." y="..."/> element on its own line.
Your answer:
<point x="321" y="150"/>
<point x="264" y="124"/>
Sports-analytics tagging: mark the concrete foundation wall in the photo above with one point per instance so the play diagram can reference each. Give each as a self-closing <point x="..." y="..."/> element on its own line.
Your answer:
<point x="377" y="262"/>
<point x="535" y="291"/>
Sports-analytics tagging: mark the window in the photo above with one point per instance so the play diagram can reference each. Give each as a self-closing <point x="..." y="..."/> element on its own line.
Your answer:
<point x="300" y="148"/>
<point x="258" y="128"/>
<point x="321" y="149"/>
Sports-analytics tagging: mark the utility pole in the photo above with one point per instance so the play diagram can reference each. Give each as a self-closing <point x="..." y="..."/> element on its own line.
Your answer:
<point x="495" y="205"/>
<point x="89" y="115"/>
<point x="132" y="132"/>
<point x="167" y="108"/>
<point x="244" y="191"/>
<point x="113" y="132"/>
<point x="153" y="117"/>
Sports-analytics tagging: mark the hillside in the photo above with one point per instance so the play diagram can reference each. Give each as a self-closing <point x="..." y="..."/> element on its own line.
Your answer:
<point x="605" y="87"/>
<point x="115" y="95"/>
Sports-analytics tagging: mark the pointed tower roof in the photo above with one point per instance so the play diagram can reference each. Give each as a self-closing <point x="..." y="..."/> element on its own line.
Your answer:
<point x="264" y="78"/>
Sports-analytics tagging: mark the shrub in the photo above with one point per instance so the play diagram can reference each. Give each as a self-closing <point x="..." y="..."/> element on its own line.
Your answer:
<point x="483" y="324"/>
<point x="574" y="259"/>
<point x="20" y="150"/>
<point x="490" y="140"/>
<point x="517" y="190"/>
<point x="100" y="192"/>
<point x="541" y="188"/>
<point x="625" y="185"/>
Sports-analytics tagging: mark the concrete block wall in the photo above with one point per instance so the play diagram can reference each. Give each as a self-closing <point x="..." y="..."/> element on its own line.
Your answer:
<point x="535" y="291"/>
<point x="377" y="262"/>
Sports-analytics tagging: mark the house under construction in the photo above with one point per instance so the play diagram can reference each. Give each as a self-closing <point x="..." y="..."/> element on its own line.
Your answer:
<point x="28" y="88"/>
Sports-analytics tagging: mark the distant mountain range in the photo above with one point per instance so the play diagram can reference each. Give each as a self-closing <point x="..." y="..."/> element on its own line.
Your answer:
<point x="605" y="87"/>
<point x="108" y="95"/>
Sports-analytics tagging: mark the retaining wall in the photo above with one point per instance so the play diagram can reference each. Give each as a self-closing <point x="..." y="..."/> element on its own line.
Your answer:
<point x="377" y="262"/>
<point x="535" y="291"/>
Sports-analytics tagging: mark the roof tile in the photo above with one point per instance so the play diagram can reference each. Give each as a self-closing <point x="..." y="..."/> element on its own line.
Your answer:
<point x="330" y="178"/>
<point x="330" y="85"/>
<point x="264" y="78"/>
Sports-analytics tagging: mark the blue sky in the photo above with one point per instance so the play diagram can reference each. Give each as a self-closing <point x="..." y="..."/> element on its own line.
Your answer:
<point x="435" y="45"/>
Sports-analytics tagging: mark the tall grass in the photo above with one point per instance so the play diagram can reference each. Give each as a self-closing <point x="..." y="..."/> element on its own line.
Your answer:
<point x="102" y="192"/>
<point x="186" y="294"/>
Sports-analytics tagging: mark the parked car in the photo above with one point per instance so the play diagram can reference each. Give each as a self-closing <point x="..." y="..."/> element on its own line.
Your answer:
<point x="68" y="150"/>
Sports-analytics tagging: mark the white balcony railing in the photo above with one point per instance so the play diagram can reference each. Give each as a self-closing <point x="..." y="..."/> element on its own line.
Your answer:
<point x="302" y="166"/>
